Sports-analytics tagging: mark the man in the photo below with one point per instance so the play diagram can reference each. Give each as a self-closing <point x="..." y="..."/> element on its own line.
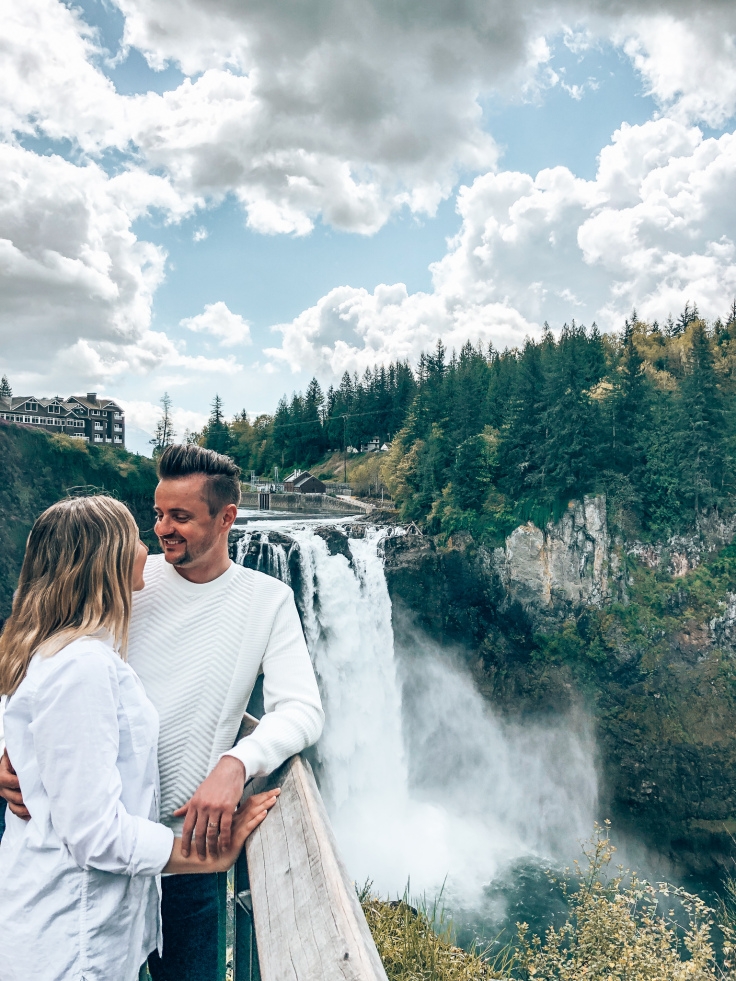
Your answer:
<point x="201" y="631"/>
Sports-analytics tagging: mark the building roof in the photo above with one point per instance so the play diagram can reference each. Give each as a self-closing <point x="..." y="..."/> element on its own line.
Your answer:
<point x="304" y="477"/>
<point x="90" y="401"/>
<point x="16" y="402"/>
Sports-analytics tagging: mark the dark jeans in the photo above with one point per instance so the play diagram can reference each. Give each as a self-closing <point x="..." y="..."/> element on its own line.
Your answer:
<point x="3" y="805"/>
<point x="190" y="920"/>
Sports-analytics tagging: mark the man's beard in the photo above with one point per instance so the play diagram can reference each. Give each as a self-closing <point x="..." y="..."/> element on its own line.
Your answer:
<point x="189" y="556"/>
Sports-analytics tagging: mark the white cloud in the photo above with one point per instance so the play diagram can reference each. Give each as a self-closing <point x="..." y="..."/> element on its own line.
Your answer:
<point x="145" y="415"/>
<point x="228" y="327"/>
<point x="70" y="266"/>
<point x="48" y="81"/>
<point x="76" y="285"/>
<point x="653" y="230"/>
<point x="688" y="62"/>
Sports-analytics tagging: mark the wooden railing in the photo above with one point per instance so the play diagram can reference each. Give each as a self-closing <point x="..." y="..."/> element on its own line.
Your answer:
<point x="297" y="915"/>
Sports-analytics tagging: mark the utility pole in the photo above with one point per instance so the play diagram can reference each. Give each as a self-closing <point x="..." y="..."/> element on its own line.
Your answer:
<point x="345" y="448"/>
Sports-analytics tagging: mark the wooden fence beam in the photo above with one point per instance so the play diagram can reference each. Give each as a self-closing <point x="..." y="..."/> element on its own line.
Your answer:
<point x="309" y="925"/>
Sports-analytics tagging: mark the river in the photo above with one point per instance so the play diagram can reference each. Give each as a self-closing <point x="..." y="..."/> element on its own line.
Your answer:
<point x="424" y="783"/>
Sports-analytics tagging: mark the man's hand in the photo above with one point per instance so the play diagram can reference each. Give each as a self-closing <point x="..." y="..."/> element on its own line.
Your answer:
<point x="209" y="812"/>
<point x="10" y="788"/>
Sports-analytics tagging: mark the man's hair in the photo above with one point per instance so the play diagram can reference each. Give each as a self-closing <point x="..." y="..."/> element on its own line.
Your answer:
<point x="222" y="486"/>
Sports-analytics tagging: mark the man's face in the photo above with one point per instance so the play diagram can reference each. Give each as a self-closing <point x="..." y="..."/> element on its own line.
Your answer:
<point x="184" y="526"/>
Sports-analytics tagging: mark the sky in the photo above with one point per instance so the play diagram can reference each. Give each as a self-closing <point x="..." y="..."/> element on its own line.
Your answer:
<point x="234" y="196"/>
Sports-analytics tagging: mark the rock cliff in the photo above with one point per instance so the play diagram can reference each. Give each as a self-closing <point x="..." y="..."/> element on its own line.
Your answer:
<point x="563" y="566"/>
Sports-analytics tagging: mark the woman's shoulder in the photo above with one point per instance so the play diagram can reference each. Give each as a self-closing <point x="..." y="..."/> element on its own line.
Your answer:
<point x="80" y="656"/>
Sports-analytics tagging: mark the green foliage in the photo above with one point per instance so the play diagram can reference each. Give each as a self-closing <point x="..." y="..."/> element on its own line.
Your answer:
<point x="641" y="416"/>
<point x="644" y="416"/>
<point x="38" y="469"/>
<point x="216" y="435"/>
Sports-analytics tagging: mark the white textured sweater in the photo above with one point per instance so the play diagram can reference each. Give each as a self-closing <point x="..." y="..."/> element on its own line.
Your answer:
<point x="198" y="649"/>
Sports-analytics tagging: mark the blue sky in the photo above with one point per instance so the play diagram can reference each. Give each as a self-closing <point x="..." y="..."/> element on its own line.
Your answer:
<point x="237" y="189"/>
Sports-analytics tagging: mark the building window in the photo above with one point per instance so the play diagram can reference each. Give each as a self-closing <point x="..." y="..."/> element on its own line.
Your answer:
<point x="118" y="428"/>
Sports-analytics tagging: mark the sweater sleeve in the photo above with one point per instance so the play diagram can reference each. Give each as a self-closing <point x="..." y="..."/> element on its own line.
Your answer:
<point x="294" y="716"/>
<point x="76" y="737"/>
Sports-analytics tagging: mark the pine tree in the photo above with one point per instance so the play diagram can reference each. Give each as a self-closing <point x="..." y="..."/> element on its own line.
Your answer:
<point x="312" y="417"/>
<point x="523" y="436"/>
<point x="628" y="408"/>
<point x="164" y="434"/>
<point x="705" y="458"/>
<point x="572" y="417"/>
<point x="6" y="392"/>
<point x="216" y="434"/>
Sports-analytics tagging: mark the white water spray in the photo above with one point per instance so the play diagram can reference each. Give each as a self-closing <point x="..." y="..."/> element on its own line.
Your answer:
<point x="425" y="784"/>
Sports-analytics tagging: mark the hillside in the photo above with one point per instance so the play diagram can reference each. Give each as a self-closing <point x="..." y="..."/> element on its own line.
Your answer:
<point x="37" y="469"/>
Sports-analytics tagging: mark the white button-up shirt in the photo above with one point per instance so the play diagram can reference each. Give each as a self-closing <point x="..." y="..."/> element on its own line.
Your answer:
<point x="79" y="888"/>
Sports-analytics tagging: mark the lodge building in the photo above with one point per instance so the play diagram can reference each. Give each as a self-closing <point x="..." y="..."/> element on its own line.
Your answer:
<point x="87" y="417"/>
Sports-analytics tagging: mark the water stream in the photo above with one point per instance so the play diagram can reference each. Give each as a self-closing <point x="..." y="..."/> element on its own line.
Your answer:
<point x="422" y="779"/>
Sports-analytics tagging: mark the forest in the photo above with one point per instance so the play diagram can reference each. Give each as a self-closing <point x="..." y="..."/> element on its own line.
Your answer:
<point x="481" y="439"/>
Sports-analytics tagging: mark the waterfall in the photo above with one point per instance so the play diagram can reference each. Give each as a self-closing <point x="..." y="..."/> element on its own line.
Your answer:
<point x="422" y="780"/>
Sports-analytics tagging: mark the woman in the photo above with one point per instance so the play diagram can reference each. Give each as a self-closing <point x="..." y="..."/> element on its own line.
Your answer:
<point x="79" y="889"/>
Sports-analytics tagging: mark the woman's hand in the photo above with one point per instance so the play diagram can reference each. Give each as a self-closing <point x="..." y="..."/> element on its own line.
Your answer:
<point x="245" y="820"/>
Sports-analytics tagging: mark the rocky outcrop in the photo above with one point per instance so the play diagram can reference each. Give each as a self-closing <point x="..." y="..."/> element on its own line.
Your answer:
<point x="681" y="554"/>
<point x="567" y="564"/>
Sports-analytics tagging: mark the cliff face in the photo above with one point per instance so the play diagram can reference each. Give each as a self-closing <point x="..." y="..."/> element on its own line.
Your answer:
<point x="555" y="570"/>
<point x="644" y="636"/>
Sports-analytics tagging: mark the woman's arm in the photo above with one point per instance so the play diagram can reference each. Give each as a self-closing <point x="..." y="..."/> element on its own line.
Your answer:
<point x="247" y="818"/>
<point x="76" y="736"/>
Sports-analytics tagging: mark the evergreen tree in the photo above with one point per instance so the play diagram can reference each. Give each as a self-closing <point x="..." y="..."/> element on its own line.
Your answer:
<point x="472" y="473"/>
<point x="216" y="434"/>
<point x="164" y="433"/>
<point x="572" y="418"/>
<point x="312" y="442"/>
<point x="628" y="407"/>
<point x="6" y="391"/>
<point x="523" y="436"/>
<point x="705" y="460"/>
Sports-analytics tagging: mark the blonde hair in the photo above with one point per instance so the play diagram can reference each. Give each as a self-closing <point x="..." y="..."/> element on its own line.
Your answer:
<point x="76" y="579"/>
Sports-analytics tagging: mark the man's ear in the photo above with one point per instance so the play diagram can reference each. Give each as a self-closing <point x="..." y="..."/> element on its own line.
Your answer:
<point x="229" y="514"/>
